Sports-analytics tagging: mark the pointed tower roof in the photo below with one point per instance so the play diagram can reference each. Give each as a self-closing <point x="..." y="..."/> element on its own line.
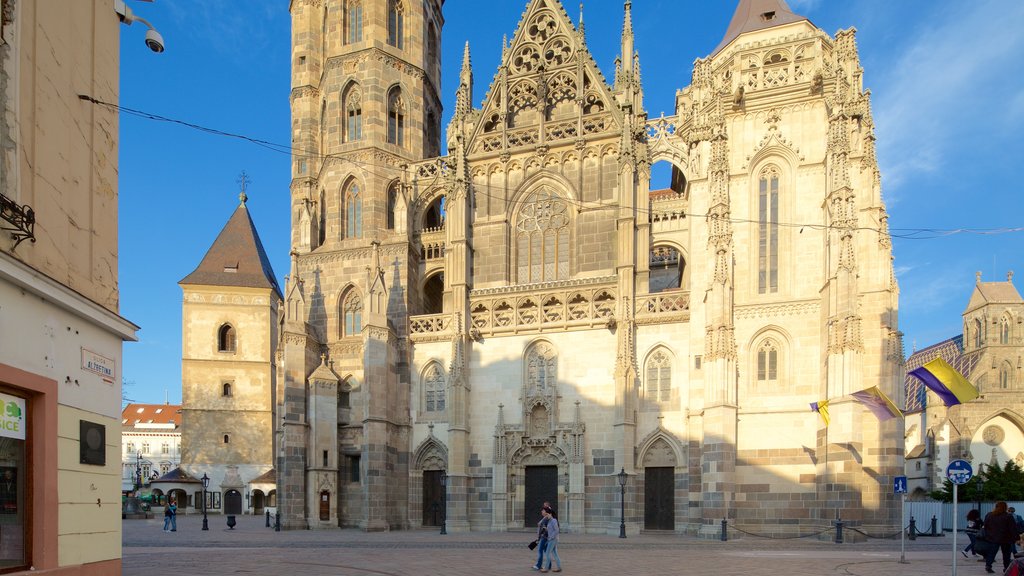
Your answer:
<point x="236" y="258"/>
<point x="753" y="15"/>
<point x="993" y="293"/>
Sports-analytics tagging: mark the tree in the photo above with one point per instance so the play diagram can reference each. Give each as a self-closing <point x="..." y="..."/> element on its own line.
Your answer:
<point x="999" y="483"/>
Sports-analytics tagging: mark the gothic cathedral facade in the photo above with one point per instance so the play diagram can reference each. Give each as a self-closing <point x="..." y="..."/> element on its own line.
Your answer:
<point x="514" y="318"/>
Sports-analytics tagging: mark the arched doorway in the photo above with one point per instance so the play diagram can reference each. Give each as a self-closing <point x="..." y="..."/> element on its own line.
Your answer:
<point x="258" y="501"/>
<point x="668" y="268"/>
<point x="180" y="497"/>
<point x="433" y="497"/>
<point x="232" y="502"/>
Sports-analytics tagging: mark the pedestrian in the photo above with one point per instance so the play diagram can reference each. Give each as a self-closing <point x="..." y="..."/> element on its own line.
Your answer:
<point x="973" y="527"/>
<point x="1000" y="529"/>
<point x="167" y="517"/>
<point x="552" y="548"/>
<point x="1020" y="525"/>
<point x="542" y="537"/>
<point x="173" y="507"/>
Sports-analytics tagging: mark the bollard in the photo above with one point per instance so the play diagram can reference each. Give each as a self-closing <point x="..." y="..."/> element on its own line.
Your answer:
<point x="277" y="521"/>
<point x="935" y="522"/>
<point x="839" y="530"/>
<point x="725" y="533"/>
<point x="912" y="529"/>
<point x="268" y="518"/>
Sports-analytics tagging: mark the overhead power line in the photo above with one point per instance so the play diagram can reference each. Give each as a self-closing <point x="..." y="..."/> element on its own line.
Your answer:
<point x="902" y="233"/>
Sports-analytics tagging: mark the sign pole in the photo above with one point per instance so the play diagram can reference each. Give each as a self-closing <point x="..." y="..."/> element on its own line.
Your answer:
<point x="903" y="531"/>
<point x="958" y="472"/>
<point x="955" y="513"/>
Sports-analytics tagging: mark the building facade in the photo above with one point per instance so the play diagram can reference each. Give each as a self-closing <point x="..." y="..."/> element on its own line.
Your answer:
<point x="60" y="331"/>
<point x="150" y="444"/>
<point x="229" y="340"/>
<point x="520" y="319"/>
<point x="990" y="428"/>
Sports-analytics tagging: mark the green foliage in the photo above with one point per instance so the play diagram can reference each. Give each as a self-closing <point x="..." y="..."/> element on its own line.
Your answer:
<point x="997" y="483"/>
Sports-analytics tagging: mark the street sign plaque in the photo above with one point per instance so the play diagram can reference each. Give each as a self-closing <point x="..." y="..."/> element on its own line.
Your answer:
<point x="959" y="472"/>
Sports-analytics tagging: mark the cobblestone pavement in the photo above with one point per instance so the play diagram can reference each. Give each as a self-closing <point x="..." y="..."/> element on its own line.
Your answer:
<point x="251" y="548"/>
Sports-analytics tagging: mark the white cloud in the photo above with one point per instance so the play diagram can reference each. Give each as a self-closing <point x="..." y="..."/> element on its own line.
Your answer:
<point x="954" y="71"/>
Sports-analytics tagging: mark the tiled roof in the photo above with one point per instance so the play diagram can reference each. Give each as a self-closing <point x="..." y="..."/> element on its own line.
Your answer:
<point x="150" y="414"/>
<point x="750" y="17"/>
<point x="236" y="257"/>
<point x="268" y="477"/>
<point x="952" y="351"/>
<point x="178" y="475"/>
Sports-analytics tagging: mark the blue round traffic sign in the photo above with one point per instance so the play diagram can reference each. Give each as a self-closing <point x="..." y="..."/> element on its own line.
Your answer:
<point x="959" y="472"/>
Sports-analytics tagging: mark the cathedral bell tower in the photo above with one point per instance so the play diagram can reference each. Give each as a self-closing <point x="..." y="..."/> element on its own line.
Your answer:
<point x="365" y="105"/>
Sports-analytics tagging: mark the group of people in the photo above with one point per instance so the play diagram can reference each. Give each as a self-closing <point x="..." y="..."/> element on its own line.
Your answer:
<point x="171" y="517"/>
<point x="999" y="531"/>
<point x="547" y="541"/>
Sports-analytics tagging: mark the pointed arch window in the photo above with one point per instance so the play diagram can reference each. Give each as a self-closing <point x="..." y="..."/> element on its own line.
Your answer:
<point x="542" y="239"/>
<point x="768" y="231"/>
<point x="323" y="128"/>
<point x="353" y="21"/>
<point x="226" y="338"/>
<point x="658" y="387"/>
<point x="541" y="370"/>
<point x="352" y="315"/>
<point x="396" y="23"/>
<point x="353" y="201"/>
<point x="767" y="363"/>
<point x="353" y="115"/>
<point x="978" y="338"/>
<point x="1004" y="330"/>
<point x="392" y="205"/>
<point x="1005" y="376"/>
<point x="396" y="117"/>
<point x="322" y="222"/>
<point x="434" y="389"/>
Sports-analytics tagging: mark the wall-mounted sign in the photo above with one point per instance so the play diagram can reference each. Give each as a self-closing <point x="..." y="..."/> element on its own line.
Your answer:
<point x="97" y="364"/>
<point x="12" y="417"/>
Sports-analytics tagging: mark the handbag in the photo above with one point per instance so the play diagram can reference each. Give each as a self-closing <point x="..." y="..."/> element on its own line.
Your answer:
<point x="532" y="545"/>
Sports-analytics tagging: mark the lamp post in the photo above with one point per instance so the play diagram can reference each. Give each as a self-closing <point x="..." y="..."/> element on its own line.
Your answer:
<point x="138" y="473"/>
<point x="622" y="484"/>
<point x="206" y="484"/>
<point x="981" y="484"/>
<point x="444" y="502"/>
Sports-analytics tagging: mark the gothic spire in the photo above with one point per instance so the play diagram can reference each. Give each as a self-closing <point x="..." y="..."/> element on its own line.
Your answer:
<point x="627" y="39"/>
<point x="466" y="75"/>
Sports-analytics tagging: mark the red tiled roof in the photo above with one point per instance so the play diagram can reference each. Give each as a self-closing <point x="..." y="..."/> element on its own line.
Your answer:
<point x="151" y="414"/>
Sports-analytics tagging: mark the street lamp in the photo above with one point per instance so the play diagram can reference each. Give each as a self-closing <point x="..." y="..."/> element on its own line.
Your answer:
<point x="138" y="473"/>
<point x="444" y="502"/>
<point x="622" y="484"/>
<point x="981" y="484"/>
<point x="206" y="484"/>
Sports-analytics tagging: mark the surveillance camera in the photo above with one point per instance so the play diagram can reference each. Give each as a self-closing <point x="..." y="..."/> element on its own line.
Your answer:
<point x="154" y="41"/>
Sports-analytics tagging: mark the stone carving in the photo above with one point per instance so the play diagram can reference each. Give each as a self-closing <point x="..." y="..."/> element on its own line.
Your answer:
<point x="993" y="435"/>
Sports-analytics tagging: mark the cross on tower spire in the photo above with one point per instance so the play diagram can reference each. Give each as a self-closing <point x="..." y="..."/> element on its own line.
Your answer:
<point x="243" y="181"/>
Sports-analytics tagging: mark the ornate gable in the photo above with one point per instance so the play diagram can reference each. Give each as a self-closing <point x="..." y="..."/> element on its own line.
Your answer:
<point x="547" y="89"/>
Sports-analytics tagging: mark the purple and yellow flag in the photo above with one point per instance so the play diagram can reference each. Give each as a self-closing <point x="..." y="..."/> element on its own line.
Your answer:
<point x="821" y="408"/>
<point x="945" y="381"/>
<point x="879" y="404"/>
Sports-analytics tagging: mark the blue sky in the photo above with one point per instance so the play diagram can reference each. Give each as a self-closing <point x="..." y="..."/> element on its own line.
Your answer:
<point x="948" y="100"/>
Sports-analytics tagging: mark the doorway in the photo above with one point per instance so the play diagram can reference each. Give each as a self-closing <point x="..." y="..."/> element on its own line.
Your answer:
<point x="433" y="498"/>
<point x="325" y="506"/>
<point x="659" y="498"/>
<point x="541" y="487"/>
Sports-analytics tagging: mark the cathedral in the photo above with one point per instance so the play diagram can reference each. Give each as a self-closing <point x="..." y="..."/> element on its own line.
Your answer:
<point x="480" y="319"/>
